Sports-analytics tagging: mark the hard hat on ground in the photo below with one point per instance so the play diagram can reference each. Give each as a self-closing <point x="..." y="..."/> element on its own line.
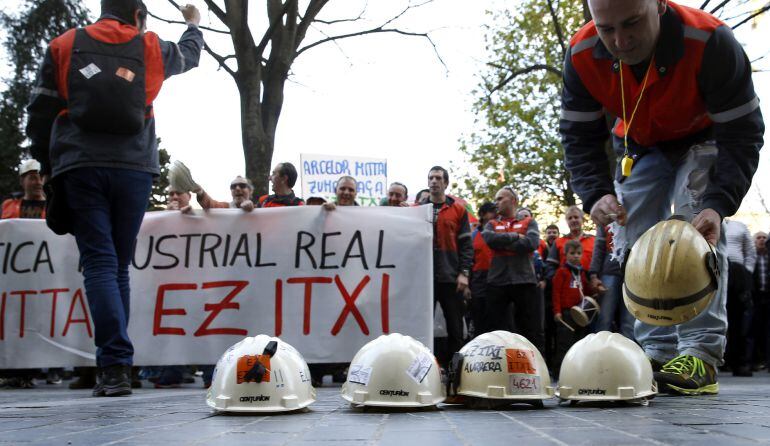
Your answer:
<point x="500" y="367"/>
<point x="261" y="374"/>
<point x="671" y="274"/>
<point x="394" y="371"/>
<point x="606" y="367"/>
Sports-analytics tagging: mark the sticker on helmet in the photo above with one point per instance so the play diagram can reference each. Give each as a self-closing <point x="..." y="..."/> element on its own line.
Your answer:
<point x="521" y="361"/>
<point x="253" y="369"/>
<point x="524" y="384"/>
<point x="420" y="367"/>
<point x="359" y="374"/>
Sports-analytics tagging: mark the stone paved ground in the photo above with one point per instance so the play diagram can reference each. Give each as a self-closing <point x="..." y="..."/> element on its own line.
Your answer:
<point x="51" y="415"/>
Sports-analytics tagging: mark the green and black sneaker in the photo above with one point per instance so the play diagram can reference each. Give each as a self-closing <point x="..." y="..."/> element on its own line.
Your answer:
<point x="687" y="375"/>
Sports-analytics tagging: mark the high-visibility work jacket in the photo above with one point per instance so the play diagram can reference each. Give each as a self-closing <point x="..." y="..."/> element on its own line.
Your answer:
<point x="699" y="88"/>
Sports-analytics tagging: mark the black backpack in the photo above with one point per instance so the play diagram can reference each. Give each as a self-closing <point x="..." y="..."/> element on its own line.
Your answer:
<point x="106" y="85"/>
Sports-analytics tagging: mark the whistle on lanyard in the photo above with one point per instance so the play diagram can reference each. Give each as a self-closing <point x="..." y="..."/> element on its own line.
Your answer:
<point x="626" y="165"/>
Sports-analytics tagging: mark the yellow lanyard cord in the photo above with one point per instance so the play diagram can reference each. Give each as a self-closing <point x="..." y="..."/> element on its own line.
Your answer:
<point x="627" y="124"/>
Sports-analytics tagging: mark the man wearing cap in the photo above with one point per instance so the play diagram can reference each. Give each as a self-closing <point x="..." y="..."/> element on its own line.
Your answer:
<point x="240" y="189"/>
<point x="687" y="132"/>
<point x="32" y="203"/>
<point x="92" y="127"/>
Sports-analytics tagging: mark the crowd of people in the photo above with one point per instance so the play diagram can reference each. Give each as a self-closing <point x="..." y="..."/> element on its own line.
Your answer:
<point x="686" y="129"/>
<point x="493" y="270"/>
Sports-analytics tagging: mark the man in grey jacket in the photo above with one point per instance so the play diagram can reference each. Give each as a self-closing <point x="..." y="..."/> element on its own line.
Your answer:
<point x="511" y="277"/>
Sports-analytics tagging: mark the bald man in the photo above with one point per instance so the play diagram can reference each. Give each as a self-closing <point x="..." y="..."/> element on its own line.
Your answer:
<point x="687" y="132"/>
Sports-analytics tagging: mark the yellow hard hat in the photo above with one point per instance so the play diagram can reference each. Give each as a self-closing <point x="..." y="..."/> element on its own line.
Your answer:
<point x="671" y="274"/>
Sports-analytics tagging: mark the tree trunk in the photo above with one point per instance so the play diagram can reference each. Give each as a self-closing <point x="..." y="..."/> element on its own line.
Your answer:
<point x="257" y="145"/>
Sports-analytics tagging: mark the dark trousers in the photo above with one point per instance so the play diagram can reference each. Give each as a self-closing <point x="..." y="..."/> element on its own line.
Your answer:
<point x="107" y="207"/>
<point x="453" y="306"/>
<point x="518" y="309"/>
<point x="565" y="338"/>
<point x="739" y="316"/>
<point x="478" y="302"/>
<point x="549" y="327"/>
<point x="761" y="327"/>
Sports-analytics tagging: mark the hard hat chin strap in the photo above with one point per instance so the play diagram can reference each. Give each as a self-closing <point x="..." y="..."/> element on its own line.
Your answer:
<point x="258" y="372"/>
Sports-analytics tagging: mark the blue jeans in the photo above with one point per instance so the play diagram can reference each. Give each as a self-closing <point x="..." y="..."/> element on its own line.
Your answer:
<point x="613" y="309"/>
<point x="107" y="206"/>
<point x="655" y="187"/>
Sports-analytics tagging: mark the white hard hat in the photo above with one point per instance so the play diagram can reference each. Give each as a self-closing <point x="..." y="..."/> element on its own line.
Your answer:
<point x="30" y="165"/>
<point x="501" y="366"/>
<point x="261" y="374"/>
<point x="606" y="367"/>
<point x="394" y="371"/>
<point x="671" y="274"/>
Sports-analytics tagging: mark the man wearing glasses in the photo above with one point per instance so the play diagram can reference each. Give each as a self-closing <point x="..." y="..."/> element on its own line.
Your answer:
<point x="240" y="189"/>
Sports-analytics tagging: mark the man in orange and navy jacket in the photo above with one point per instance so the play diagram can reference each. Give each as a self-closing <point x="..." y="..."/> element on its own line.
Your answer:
<point x="92" y="129"/>
<point x="283" y="178"/>
<point x="452" y="256"/>
<point x="687" y="132"/>
<point x="511" y="278"/>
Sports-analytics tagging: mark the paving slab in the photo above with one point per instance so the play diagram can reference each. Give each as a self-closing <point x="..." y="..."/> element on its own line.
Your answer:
<point x="54" y="415"/>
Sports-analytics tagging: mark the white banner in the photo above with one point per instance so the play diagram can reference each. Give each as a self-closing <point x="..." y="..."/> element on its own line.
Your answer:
<point x="320" y="174"/>
<point x="325" y="282"/>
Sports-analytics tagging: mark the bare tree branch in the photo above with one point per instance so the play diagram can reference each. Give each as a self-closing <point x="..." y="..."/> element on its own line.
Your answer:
<point x="514" y="73"/>
<point x="375" y="31"/>
<point x="313" y="8"/>
<point x="557" y="27"/>
<point x="179" y="22"/>
<point x="221" y="60"/>
<point x="271" y="29"/>
<point x="762" y="199"/>
<point x="216" y="10"/>
<point x="720" y="6"/>
<point x="761" y="10"/>
<point x="355" y="19"/>
<point x="705" y="3"/>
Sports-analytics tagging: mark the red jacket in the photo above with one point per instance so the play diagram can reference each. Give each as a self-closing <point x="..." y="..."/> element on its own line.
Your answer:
<point x="58" y="142"/>
<point x="565" y="291"/>
<point x="482" y="255"/>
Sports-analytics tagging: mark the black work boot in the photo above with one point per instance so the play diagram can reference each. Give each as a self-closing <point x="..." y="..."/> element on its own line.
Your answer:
<point x="115" y="380"/>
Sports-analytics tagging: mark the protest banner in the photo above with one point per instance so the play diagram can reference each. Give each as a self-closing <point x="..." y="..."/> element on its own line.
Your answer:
<point x="325" y="281"/>
<point x="320" y="174"/>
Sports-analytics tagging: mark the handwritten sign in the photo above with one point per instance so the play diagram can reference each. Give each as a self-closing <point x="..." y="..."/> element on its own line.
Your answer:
<point x="321" y="172"/>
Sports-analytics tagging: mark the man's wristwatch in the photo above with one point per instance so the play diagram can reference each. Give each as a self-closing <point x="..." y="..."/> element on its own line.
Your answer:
<point x="465" y="272"/>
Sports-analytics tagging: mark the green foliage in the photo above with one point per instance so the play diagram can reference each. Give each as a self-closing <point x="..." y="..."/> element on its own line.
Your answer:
<point x="517" y="105"/>
<point x="27" y="34"/>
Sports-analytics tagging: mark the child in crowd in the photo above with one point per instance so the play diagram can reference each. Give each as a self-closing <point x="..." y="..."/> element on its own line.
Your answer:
<point x="569" y="286"/>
